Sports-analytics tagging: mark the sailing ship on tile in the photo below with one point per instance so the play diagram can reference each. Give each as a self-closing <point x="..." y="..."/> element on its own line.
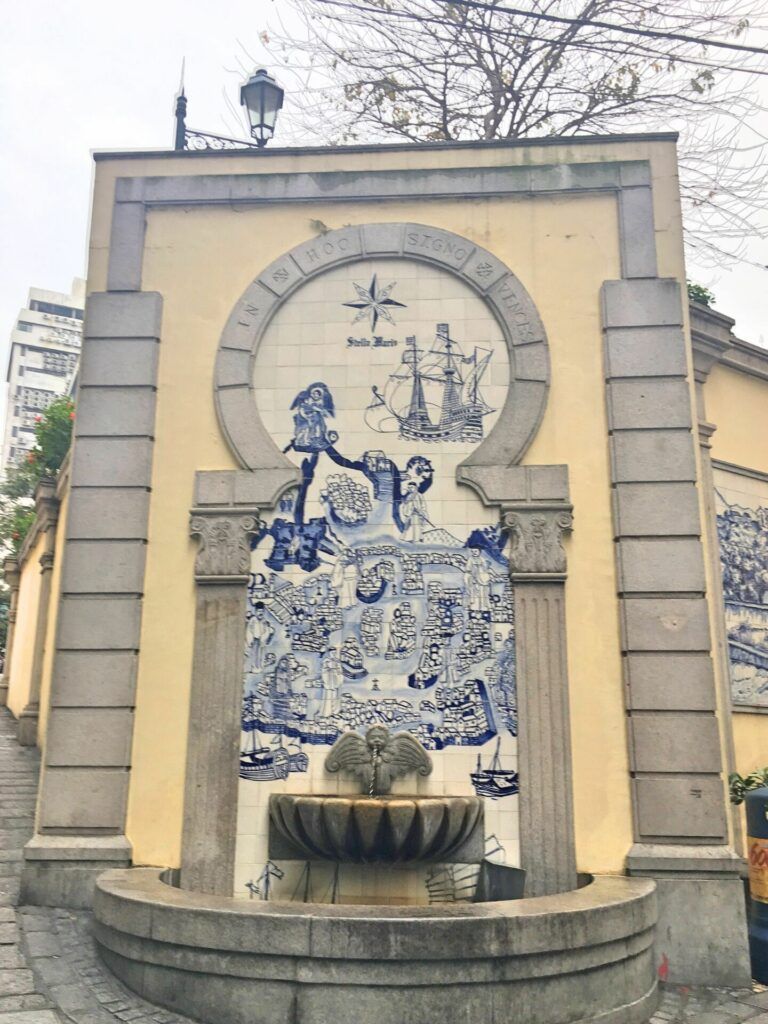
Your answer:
<point x="265" y="763"/>
<point x="494" y="781"/>
<point x="435" y="394"/>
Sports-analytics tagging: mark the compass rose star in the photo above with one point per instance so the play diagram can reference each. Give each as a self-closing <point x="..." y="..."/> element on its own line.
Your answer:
<point x="374" y="302"/>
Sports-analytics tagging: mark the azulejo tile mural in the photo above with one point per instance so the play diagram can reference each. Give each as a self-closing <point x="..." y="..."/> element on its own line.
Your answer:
<point x="742" y="528"/>
<point x="380" y="591"/>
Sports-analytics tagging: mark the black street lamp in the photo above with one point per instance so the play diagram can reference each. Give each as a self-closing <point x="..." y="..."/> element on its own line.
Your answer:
<point x="262" y="98"/>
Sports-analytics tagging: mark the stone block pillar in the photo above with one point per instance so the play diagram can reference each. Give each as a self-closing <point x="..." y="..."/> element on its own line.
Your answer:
<point x="12" y="577"/>
<point x="538" y="564"/>
<point x="679" y="795"/>
<point x="80" y="827"/>
<point x="213" y="749"/>
<point x="47" y="515"/>
<point x="711" y="340"/>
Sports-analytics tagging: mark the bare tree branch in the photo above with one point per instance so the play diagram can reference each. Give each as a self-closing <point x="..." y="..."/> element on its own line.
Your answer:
<point x="426" y="70"/>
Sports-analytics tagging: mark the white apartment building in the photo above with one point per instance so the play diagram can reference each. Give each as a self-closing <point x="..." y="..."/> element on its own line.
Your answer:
<point x="43" y="355"/>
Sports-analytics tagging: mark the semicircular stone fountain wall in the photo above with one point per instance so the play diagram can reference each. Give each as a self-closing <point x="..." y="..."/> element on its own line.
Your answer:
<point x="380" y="589"/>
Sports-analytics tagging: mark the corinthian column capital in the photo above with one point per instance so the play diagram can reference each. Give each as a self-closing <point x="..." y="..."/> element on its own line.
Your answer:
<point x="536" y="540"/>
<point x="225" y="544"/>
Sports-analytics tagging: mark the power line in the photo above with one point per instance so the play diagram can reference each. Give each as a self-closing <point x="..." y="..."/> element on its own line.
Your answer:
<point x="541" y="16"/>
<point x="592" y="23"/>
<point x="638" y="49"/>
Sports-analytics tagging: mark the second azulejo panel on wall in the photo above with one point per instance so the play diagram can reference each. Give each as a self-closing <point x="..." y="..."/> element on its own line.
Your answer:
<point x="742" y="529"/>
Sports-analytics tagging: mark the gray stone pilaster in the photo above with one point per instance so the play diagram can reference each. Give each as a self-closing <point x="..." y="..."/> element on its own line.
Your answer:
<point x="12" y="577"/>
<point x="212" y="778"/>
<point x="535" y="508"/>
<point x="47" y="515"/>
<point x="538" y="567"/>
<point x="711" y="339"/>
<point x="679" y="800"/>
<point x="80" y="826"/>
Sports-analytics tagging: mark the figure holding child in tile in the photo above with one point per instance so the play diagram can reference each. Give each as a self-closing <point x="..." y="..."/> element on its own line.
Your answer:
<point x="313" y="406"/>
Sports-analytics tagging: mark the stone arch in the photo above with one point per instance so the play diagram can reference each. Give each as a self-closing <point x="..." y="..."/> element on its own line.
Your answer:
<point x="481" y="270"/>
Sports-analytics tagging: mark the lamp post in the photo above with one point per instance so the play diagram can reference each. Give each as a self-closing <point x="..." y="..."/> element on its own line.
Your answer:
<point x="262" y="98"/>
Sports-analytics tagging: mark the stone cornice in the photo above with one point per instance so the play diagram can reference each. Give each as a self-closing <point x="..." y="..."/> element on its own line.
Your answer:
<point x="747" y="358"/>
<point x="713" y="342"/>
<point x="508" y="486"/>
<point x="711" y="338"/>
<point x="11" y="571"/>
<point x="46" y="517"/>
<point x="263" y="155"/>
<point x="62" y="477"/>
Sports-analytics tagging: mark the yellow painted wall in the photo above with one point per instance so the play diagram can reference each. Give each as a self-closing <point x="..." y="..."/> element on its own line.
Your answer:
<point x="201" y="260"/>
<point x="737" y="403"/>
<point x="22" y="653"/>
<point x="50" y="633"/>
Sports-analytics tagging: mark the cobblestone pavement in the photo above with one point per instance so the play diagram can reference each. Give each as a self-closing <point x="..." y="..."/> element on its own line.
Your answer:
<point x="21" y="999"/>
<point x="712" y="1005"/>
<point x="50" y="972"/>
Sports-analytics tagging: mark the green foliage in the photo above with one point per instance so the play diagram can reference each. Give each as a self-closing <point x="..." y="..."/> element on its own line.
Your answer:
<point x="739" y="785"/>
<point x="698" y="293"/>
<point x="53" y="436"/>
<point x="5" y="602"/>
<point x="20" y="481"/>
<point x="15" y="521"/>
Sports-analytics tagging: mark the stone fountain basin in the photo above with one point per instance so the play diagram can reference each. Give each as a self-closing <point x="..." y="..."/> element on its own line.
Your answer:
<point x="581" y="957"/>
<point x="391" y="829"/>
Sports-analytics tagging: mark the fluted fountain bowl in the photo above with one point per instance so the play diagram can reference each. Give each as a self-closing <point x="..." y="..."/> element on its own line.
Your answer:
<point x="387" y="829"/>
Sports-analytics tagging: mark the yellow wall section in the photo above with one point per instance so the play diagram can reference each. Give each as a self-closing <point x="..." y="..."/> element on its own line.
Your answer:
<point x="738" y="404"/>
<point x="50" y="634"/>
<point x="201" y="260"/>
<point x="23" y="651"/>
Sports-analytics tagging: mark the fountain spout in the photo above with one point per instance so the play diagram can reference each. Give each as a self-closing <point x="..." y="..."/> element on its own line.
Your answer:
<point x="378" y="758"/>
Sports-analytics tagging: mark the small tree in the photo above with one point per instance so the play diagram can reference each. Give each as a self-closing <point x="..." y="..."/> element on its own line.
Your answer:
<point x="698" y="293"/>
<point x="53" y="437"/>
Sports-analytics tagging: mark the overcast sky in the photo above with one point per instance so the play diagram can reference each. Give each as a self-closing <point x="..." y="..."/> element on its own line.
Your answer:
<point x="94" y="74"/>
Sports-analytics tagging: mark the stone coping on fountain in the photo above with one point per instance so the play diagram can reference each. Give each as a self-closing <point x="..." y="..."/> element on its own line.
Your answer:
<point x="579" y="956"/>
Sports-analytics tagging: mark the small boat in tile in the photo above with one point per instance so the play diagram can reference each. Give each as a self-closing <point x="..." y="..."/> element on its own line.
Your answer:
<point x="267" y="764"/>
<point x="494" y="781"/>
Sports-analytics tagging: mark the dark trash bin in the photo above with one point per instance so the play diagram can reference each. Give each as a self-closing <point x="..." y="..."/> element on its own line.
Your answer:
<point x="756" y="804"/>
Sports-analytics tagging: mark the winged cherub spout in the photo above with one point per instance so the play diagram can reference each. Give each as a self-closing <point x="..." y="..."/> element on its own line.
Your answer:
<point x="378" y="758"/>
